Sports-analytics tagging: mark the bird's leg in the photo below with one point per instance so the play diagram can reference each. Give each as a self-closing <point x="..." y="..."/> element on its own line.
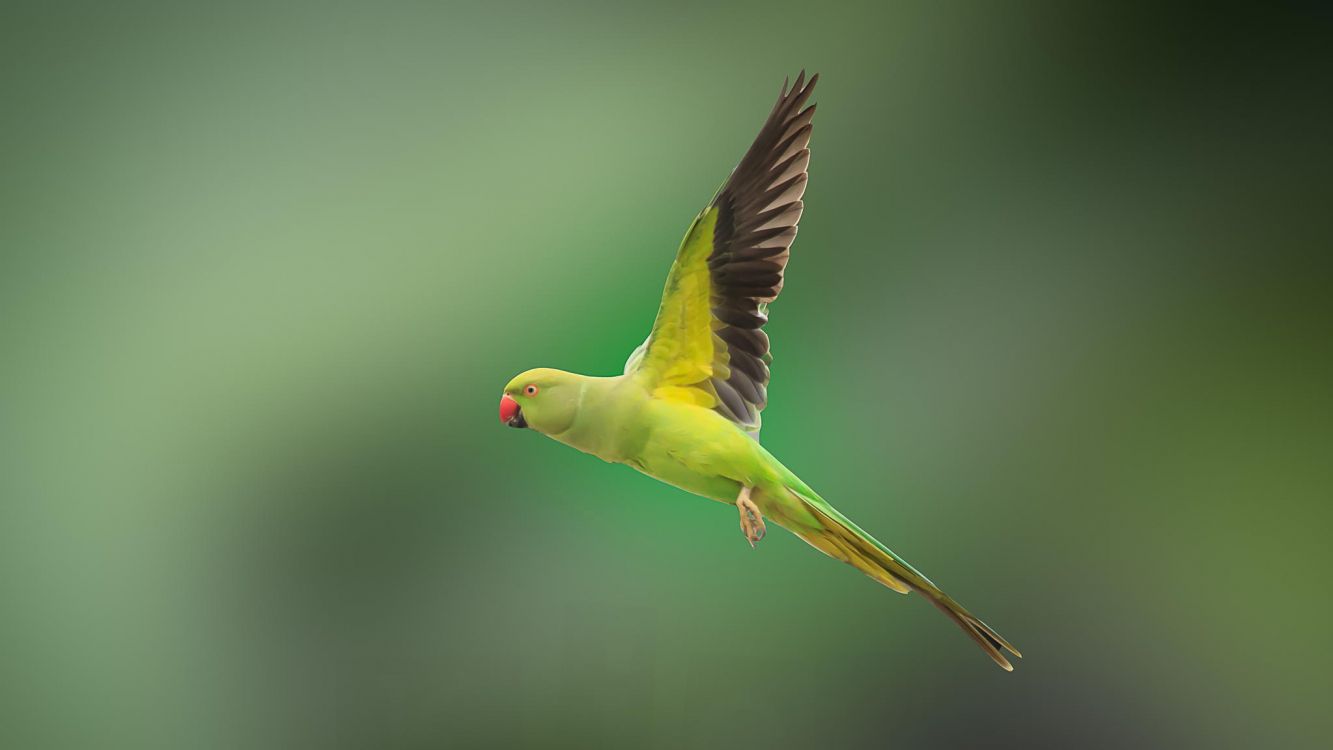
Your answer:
<point x="752" y="522"/>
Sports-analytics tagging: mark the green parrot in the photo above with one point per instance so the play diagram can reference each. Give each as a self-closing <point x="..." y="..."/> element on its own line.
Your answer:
<point x="686" y="409"/>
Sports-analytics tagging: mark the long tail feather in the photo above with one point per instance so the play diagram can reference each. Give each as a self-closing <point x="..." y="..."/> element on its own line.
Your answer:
<point x="841" y="539"/>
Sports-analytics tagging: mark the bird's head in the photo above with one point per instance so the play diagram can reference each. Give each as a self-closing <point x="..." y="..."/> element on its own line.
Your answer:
<point x="545" y="400"/>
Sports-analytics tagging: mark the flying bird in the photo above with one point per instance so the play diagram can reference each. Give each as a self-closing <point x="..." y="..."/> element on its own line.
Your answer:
<point x="686" y="409"/>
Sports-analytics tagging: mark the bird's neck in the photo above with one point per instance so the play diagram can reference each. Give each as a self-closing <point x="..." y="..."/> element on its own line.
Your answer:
<point x="607" y="412"/>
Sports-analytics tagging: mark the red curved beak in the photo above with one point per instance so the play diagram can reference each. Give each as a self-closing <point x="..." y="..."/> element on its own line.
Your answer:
<point x="508" y="408"/>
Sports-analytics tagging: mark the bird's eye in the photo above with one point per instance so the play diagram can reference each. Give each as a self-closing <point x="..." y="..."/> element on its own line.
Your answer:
<point x="531" y="390"/>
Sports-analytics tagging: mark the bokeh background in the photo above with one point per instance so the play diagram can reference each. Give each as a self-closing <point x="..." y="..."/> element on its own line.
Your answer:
<point x="1057" y="329"/>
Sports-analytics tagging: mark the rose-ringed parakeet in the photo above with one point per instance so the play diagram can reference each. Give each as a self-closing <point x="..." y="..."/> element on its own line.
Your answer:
<point x="686" y="409"/>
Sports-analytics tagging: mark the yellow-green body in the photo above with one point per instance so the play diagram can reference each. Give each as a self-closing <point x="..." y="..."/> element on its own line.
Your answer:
<point x="620" y="420"/>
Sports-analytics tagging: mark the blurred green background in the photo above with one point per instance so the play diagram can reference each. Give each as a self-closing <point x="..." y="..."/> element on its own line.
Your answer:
<point x="1057" y="329"/>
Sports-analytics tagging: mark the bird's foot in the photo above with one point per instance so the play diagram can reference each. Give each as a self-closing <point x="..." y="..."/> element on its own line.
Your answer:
<point x="752" y="521"/>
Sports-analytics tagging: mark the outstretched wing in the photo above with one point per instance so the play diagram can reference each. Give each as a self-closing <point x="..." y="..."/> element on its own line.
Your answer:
<point x="708" y="346"/>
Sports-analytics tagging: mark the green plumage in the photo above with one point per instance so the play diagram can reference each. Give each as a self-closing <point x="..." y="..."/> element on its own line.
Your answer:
<point x="686" y="410"/>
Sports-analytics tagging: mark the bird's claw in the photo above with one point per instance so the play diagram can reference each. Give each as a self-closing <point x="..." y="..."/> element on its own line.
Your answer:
<point x="752" y="521"/>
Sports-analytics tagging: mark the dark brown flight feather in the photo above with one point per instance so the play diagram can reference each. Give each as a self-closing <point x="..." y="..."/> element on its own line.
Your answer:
<point x="757" y="212"/>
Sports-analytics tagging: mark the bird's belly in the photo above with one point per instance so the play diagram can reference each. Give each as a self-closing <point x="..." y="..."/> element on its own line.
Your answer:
<point x="698" y="451"/>
<point x="664" y="468"/>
